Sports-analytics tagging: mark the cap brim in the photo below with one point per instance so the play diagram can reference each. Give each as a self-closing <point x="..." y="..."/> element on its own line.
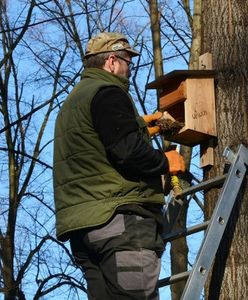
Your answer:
<point x="131" y="52"/>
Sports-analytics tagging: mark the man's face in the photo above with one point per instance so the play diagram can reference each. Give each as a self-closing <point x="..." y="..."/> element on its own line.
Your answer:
<point x="120" y="64"/>
<point x="124" y="65"/>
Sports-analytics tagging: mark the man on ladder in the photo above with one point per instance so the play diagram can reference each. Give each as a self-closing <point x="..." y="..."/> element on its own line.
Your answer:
<point x="107" y="178"/>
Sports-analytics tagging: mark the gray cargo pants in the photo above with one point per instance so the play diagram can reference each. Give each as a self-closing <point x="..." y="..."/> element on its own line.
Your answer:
<point x="121" y="260"/>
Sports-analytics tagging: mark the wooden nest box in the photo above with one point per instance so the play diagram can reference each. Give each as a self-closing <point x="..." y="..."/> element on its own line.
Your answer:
<point x="188" y="96"/>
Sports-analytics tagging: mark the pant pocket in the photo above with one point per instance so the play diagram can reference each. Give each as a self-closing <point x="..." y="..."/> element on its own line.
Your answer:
<point x="114" y="228"/>
<point x="138" y="270"/>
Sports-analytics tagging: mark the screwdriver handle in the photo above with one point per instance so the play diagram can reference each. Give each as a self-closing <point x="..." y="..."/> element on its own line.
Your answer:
<point x="176" y="186"/>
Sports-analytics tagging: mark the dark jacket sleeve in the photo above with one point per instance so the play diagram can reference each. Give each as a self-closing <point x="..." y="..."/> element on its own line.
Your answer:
<point x="114" y="120"/>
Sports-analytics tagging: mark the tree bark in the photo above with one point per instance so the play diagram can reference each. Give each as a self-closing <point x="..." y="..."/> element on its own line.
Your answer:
<point x="156" y="37"/>
<point x="156" y="40"/>
<point x="179" y="248"/>
<point x="225" y="35"/>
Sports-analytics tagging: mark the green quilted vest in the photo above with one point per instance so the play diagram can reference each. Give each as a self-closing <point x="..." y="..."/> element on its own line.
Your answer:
<point x="87" y="189"/>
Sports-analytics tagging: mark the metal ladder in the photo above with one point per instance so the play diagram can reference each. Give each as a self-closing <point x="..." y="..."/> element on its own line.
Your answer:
<point x="214" y="227"/>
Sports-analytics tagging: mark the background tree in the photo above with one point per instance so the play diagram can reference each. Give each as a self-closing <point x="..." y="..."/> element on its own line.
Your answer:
<point x="26" y="240"/>
<point x="170" y="28"/>
<point x="225" y="35"/>
<point x="179" y="248"/>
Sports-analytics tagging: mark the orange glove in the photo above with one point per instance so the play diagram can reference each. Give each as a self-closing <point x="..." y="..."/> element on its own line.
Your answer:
<point x="176" y="162"/>
<point x="150" y="120"/>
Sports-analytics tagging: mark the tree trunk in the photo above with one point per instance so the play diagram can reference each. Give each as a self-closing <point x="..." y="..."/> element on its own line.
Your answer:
<point x="225" y="35"/>
<point x="179" y="248"/>
<point x="156" y="40"/>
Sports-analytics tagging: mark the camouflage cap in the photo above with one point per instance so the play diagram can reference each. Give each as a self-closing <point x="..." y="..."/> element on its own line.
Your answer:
<point x="109" y="42"/>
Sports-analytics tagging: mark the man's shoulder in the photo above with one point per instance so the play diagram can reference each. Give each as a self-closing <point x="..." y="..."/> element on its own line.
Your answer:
<point x="110" y="89"/>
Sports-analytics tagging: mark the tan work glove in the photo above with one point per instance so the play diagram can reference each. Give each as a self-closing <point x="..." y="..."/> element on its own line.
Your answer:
<point x="151" y="120"/>
<point x="176" y="162"/>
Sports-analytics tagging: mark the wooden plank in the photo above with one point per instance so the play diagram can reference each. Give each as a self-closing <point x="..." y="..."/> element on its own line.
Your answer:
<point x="207" y="148"/>
<point x="176" y="76"/>
<point x="207" y="153"/>
<point x="187" y="137"/>
<point x="174" y="97"/>
<point x="199" y="106"/>
<point x="206" y="61"/>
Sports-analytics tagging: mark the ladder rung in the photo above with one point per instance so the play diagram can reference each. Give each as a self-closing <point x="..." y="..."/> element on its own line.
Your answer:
<point x="173" y="279"/>
<point x="188" y="231"/>
<point x="207" y="184"/>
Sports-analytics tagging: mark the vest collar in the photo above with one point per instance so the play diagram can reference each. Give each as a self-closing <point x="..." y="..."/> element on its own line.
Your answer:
<point x="97" y="74"/>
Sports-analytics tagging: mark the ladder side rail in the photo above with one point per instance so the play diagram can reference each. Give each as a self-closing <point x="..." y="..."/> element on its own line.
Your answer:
<point x="214" y="233"/>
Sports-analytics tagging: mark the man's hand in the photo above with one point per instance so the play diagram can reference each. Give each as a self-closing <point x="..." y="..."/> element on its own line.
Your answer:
<point x="176" y="162"/>
<point x="151" y="120"/>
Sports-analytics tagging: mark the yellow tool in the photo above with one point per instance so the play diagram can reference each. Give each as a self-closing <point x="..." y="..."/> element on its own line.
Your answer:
<point x="175" y="181"/>
<point x="176" y="186"/>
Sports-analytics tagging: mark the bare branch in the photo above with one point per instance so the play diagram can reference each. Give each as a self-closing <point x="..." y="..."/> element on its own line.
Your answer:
<point x="20" y="36"/>
<point x="27" y="155"/>
<point x="55" y="96"/>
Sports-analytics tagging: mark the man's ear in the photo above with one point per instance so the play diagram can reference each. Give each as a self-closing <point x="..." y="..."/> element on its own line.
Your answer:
<point x="110" y="64"/>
